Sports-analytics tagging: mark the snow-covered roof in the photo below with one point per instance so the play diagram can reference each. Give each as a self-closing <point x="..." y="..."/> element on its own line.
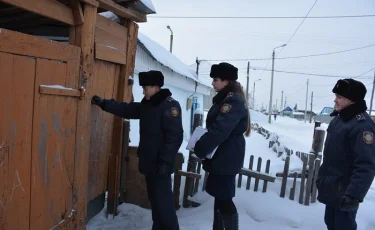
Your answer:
<point x="165" y="57"/>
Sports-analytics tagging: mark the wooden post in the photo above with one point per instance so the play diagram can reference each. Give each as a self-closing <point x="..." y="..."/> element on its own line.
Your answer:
<point x="177" y="180"/>
<point x="250" y="167"/>
<point x="318" y="142"/>
<point x="83" y="36"/>
<point x="267" y="171"/>
<point x="197" y="180"/>
<point x="314" y="188"/>
<point x="309" y="179"/>
<point x="302" y="187"/>
<point x="293" y="189"/>
<point x="257" y="179"/>
<point x="189" y="182"/>
<point x="124" y="156"/>
<point x="285" y="177"/>
<point x="197" y="121"/>
<point x="317" y="124"/>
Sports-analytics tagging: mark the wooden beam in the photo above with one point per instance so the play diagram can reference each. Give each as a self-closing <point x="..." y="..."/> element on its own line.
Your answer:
<point x="77" y="12"/>
<point x="84" y="38"/>
<point x="44" y="89"/>
<point x="122" y="11"/>
<point x="28" y="45"/>
<point x="91" y="2"/>
<point x="189" y="174"/>
<point x="48" y="8"/>
<point x="255" y="174"/>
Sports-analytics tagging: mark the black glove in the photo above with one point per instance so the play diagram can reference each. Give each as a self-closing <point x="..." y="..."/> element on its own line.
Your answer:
<point x="163" y="169"/>
<point x="96" y="100"/>
<point x="348" y="203"/>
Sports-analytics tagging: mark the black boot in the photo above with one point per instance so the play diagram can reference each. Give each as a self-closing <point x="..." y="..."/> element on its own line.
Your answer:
<point x="231" y="221"/>
<point x="218" y="221"/>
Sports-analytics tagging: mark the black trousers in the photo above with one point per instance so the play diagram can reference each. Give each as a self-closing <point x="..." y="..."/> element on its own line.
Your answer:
<point x="226" y="207"/>
<point x="336" y="219"/>
<point x="159" y="191"/>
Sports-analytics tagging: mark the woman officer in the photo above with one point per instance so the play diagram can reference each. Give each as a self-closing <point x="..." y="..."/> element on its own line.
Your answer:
<point x="227" y="121"/>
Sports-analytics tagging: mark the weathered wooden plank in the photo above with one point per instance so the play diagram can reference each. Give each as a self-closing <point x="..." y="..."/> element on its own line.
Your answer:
<point x="267" y="171"/>
<point x="251" y="162"/>
<point x="285" y="177"/>
<point x="122" y="11"/>
<point x="48" y="8"/>
<point x="28" y="45"/>
<point x="106" y="53"/>
<point x="84" y="39"/>
<point x="302" y="187"/>
<point x="196" y="185"/>
<point x="109" y="41"/>
<point x="17" y="82"/>
<point x="45" y="89"/>
<point x="257" y="178"/>
<point x="314" y="188"/>
<point x="112" y="27"/>
<point x="290" y="175"/>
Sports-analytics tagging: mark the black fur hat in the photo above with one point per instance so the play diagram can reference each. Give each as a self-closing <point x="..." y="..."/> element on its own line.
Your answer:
<point x="151" y="78"/>
<point x="351" y="89"/>
<point x="224" y="71"/>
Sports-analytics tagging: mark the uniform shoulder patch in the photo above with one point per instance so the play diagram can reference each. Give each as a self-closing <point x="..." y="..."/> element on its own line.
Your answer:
<point x="368" y="137"/>
<point x="360" y="117"/>
<point x="225" y="108"/>
<point x="175" y="112"/>
<point x="170" y="99"/>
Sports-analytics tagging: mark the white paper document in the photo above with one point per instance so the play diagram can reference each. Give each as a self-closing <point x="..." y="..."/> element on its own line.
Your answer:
<point x="198" y="132"/>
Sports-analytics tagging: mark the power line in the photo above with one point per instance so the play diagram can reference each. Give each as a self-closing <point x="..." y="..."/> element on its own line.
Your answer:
<point x="295" y="57"/>
<point x="263" y="17"/>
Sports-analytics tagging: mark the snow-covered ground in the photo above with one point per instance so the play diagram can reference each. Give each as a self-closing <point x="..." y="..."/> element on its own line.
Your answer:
<point x="257" y="210"/>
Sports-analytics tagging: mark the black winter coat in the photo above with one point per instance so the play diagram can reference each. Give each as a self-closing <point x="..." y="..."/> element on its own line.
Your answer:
<point x="160" y="128"/>
<point x="349" y="156"/>
<point x="226" y="122"/>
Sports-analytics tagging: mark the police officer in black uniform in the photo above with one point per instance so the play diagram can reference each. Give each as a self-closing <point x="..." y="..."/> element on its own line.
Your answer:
<point x="348" y="167"/>
<point x="161" y="136"/>
<point x="227" y="121"/>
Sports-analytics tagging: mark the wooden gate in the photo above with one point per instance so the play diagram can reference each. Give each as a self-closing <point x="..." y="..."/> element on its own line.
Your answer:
<point x="39" y="93"/>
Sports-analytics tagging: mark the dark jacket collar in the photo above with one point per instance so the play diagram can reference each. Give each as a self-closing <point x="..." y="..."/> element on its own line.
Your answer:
<point x="158" y="97"/>
<point x="222" y="94"/>
<point x="349" y="112"/>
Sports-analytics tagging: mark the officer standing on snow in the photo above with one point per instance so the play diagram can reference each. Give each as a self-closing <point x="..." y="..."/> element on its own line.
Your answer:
<point x="227" y="121"/>
<point x="161" y="135"/>
<point x="348" y="167"/>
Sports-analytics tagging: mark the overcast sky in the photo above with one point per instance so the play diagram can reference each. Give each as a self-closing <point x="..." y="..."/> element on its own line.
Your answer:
<point x="226" y="39"/>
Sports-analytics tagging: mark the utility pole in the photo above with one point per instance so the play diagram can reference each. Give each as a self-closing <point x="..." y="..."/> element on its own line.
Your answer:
<point x="312" y="96"/>
<point x="276" y="104"/>
<point x="307" y="91"/>
<point x="247" y="83"/>
<point x="372" y="94"/>
<point x="282" y="100"/>
<point x="270" y="105"/>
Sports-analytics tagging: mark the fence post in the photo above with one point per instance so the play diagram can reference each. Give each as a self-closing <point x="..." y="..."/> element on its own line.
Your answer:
<point x="197" y="180"/>
<point x="285" y="177"/>
<point x="177" y="180"/>
<point x="258" y="169"/>
<point x="267" y="171"/>
<point x="205" y="181"/>
<point x="251" y="168"/>
<point x="303" y="175"/>
<point x="309" y="179"/>
<point x="317" y="124"/>
<point x="293" y="189"/>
